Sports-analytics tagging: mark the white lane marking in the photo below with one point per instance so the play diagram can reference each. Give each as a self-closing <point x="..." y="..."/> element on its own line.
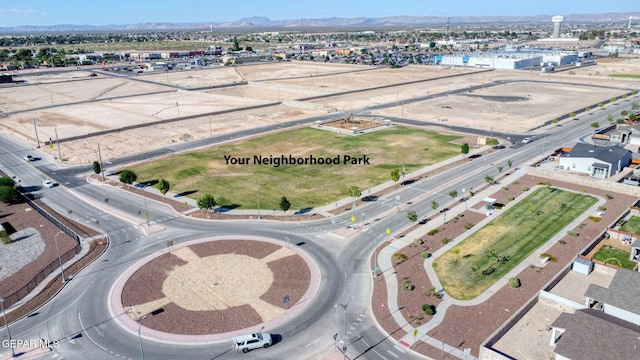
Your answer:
<point x="89" y="336"/>
<point x="392" y="354"/>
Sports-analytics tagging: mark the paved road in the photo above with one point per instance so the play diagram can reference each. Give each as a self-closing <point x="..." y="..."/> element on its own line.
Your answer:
<point x="79" y="317"/>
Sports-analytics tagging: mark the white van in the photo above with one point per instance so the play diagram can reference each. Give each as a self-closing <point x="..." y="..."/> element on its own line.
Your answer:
<point x="245" y="343"/>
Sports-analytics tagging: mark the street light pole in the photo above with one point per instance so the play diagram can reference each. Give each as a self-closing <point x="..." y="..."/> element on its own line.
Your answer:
<point x="258" y="196"/>
<point x="146" y="210"/>
<point x="140" y="337"/>
<point x="55" y="239"/>
<point x="344" y="331"/>
<point x="6" y="324"/>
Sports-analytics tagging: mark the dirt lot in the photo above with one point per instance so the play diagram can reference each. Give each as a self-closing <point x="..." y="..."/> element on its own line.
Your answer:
<point x="68" y="104"/>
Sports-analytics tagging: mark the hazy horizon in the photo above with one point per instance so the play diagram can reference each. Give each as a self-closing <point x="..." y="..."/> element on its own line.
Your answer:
<point x="118" y="12"/>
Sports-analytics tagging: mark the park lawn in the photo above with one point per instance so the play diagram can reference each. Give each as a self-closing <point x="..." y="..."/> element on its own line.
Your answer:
<point x="632" y="225"/>
<point x="475" y="264"/>
<point x="306" y="186"/>
<point x="606" y="253"/>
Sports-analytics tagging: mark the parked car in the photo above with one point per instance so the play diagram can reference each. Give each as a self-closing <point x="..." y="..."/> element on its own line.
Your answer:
<point x="29" y="157"/>
<point x="527" y="140"/>
<point x="246" y="343"/>
<point x="48" y="183"/>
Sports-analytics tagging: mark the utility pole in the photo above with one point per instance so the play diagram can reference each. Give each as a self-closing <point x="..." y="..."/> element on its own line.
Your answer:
<point x="58" y="143"/>
<point x="35" y="129"/>
<point x="100" y="159"/>
<point x="344" y="332"/>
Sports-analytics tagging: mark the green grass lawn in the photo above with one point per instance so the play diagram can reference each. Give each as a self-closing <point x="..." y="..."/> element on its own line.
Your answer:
<point x="632" y="225"/>
<point x="305" y="186"/>
<point x="606" y="252"/>
<point x="475" y="264"/>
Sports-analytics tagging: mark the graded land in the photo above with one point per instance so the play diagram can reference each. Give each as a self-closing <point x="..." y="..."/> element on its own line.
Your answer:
<point x="128" y="114"/>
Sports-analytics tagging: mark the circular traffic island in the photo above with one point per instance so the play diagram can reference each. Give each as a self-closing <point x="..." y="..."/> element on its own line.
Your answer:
<point x="217" y="286"/>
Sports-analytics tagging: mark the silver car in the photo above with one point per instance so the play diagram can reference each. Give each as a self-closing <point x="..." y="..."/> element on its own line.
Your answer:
<point x="246" y="343"/>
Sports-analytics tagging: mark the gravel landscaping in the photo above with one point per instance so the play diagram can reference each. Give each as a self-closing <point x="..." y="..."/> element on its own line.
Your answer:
<point x="217" y="286"/>
<point x="469" y="326"/>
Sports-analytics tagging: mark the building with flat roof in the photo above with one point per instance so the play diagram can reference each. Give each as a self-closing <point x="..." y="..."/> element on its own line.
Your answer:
<point x="591" y="334"/>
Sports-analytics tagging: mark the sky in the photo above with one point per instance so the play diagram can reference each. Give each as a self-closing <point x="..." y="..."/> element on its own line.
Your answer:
<point x="118" y="12"/>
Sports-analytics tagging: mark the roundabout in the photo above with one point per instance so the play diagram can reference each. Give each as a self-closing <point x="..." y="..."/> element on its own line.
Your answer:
<point x="209" y="290"/>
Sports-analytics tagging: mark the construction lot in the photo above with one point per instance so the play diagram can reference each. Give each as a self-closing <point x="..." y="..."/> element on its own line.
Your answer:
<point x="153" y="110"/>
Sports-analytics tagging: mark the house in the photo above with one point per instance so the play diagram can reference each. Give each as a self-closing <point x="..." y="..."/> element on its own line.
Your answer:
<point x="591" y="334"/>
<point x="620" y="299"/>
<point x="596" y="161"/>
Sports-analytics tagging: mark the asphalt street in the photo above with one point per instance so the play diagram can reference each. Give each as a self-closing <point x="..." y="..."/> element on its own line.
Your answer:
<point x="79" y="316"/>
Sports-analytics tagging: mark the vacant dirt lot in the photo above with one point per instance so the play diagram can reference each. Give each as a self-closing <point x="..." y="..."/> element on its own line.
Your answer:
<point x="221" y="100"/>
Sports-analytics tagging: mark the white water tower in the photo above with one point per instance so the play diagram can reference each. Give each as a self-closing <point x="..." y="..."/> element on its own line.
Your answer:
<point x="557" y="23"/>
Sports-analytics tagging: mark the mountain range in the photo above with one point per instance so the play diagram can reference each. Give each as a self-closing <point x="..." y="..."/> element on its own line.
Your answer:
<point x="260" y="22"/>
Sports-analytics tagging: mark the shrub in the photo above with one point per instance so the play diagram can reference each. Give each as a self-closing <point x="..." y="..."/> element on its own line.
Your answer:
<point x="407" y="286"/>
<point x="445" y="240"/>
<point x="602" y="208"/>
<point x="468" y="225"/>
<point x="400" y="257"/>
<point x="613" y="261"/>
<point x="433" y="292"/>
<point x="594" y="218"/>
<point x="428" y="309"/>
<point x="514" y="282"/>
<point x="433" y="232"/>
<point x="511" y="198"/>
<point x="525" y="188"/>
<point x="4" y="236"/>
<point x="425" y="255"/>
<point x="418" y="241"/>
<point x="572" y="233"/>
<point x="609" y="196"/>
<point x="562" y="241"/>
<point x="572" y="114"/>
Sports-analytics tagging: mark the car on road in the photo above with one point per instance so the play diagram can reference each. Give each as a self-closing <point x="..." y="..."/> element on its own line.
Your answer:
<point x="246" y="343"/>
<point x="527" y="140"/>
<point x="48" y="183"/>
<point x="29" y="157"/>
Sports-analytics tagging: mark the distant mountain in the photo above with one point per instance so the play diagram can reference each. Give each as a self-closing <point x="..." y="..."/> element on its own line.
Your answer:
<point x="261" y="22"/>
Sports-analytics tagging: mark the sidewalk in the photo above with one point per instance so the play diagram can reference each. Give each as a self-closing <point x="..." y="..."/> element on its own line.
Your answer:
<point x="84" y="249"/>
<point x="385" y="257"/>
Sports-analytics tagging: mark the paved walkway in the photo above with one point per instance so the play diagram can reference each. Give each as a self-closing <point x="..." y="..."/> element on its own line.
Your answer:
<point x="386" y="255"/>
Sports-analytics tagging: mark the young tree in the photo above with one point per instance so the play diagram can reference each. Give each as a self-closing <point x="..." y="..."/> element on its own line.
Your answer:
<point x="8" y="194"/>
<point x="128" y="177"/>
<point x="500" y="168"/>
<point x="492" y="142"/>
<point x="464" y="149"/>
<point x="412" y="216"/>
<point x="489" y="179"/>
<point x="595" y="125"/>
<point x="96" y="167"/>
<point x="434" y="205"/>
<point x="453" y="194"/>
<point x="163" y="186"/>
<point x="284" y="204"/>
<point x="395" y="175"/>
<point x="207" y="202"/>
<point x="510" y="163"/>
<point x="7" y="181"/>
